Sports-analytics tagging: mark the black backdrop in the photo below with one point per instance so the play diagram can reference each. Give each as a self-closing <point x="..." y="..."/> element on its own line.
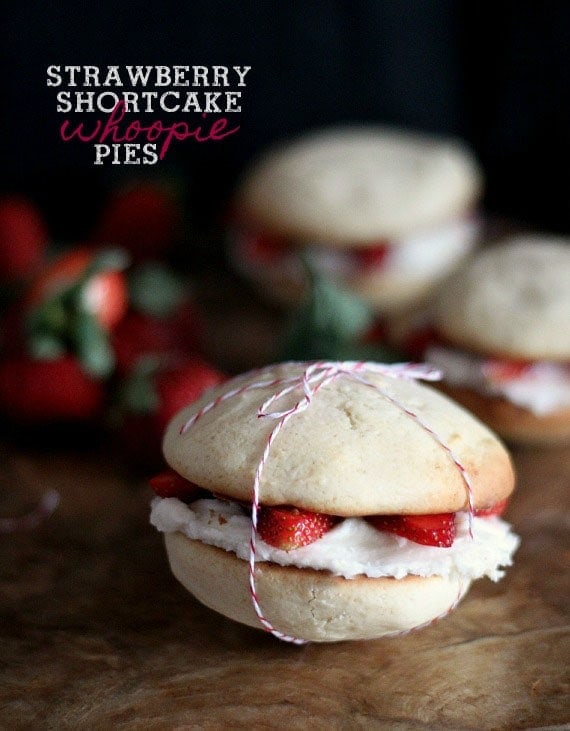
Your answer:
<point x="494" y="73"/>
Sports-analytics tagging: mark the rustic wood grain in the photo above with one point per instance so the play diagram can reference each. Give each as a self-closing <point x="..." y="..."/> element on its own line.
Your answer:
<point x="97" y="634"/>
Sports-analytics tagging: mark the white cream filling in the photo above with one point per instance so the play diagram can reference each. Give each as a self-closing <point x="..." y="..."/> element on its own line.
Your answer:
<point x="351" y="548"/>
<point x="542" y="388"/>
<point x="427" y="254"/>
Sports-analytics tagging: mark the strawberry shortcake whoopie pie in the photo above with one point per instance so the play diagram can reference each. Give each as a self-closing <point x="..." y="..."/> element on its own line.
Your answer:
<point x="385" y="212"/>
<point x="332" y="501"/>
<point x="502" y="326"/>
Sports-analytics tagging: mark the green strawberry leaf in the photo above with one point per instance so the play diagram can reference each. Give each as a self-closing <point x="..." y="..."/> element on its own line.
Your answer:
<point x="111" y="259"/>
<point x="137" y="394"/>
<point x="50" y="316"/>
<point x="46" y="347"/>
<point x="60" y="323"/>
<point x="362" y="351"/>
<point x="45" y="327"/>
<point x="156" y="290"/>
<point x="92" y="345"/>
<point x="327" y="322"/>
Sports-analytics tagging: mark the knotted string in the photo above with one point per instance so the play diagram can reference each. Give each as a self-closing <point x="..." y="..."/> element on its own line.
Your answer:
<point x="314" y="377"/>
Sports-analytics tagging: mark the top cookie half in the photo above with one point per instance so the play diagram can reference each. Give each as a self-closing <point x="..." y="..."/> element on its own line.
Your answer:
<point x="360" y="447"/>
<point x="356" y="185"/>
<point x="512" y="300"/>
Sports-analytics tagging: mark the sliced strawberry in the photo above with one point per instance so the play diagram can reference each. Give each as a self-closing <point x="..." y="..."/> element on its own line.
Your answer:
<point x="170" y="484"/>
<point x="417" y="342"/>
<point x="429" y="530"/>
<point x="289" y="528"/>
<point x="266" y="248"/>
<point x="371" y="257"/>
<point x="495" y="509"/>
<point x="500" y="371"/>
<point x="376" y="333"/>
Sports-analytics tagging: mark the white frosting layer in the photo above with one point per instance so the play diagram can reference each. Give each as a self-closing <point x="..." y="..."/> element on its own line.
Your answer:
<point x="351" y="548"/>
<point x="426" y="253"/>
<point x="542" y="388"/>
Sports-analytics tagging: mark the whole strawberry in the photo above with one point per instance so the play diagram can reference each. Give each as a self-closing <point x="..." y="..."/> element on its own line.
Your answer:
<point x="150" y="397"/>
<point x="72" y="305"/>
<point x="162" y="320"/>
<point x="144" y="219"/>
<point x="43" y="391"/>
<point x="23" y="238"/>
<point x="141" y="335"/>
<point x="181" y="385"/>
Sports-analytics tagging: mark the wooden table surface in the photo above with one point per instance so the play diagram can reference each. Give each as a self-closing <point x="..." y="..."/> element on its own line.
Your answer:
<point x="97" y="634"/>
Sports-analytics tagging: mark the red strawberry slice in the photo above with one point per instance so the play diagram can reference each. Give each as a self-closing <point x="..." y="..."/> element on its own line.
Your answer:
<point x="496" y="509"/>
<point x="500" y="371"/>
<point x="289" y="528"/>
<point x="429" y="530"/>
<point x="170" y="484"/>
<point x="376" y="333"/>
<point x="371" y="257"/>
<point x="265" y="247"/>
<point x="417" y="342"/>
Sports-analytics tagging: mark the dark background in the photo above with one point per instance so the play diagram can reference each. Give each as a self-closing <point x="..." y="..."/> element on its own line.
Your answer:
<point x="493" y="73"/>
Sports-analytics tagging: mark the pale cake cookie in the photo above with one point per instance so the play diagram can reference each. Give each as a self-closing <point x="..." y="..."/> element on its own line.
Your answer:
<point x="382" y="211"/>
<point x="346" y="453"/>
<point x="314" y="605"/>
<point x="504" y="319"/>
<point x="376" y="500"/>
<point x="355" y="185"/>
<point x="512" y="299"/>
<point x="516" y="424"/>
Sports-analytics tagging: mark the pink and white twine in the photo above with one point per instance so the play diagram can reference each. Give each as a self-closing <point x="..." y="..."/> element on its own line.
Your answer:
<point x="314" y="377"/>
